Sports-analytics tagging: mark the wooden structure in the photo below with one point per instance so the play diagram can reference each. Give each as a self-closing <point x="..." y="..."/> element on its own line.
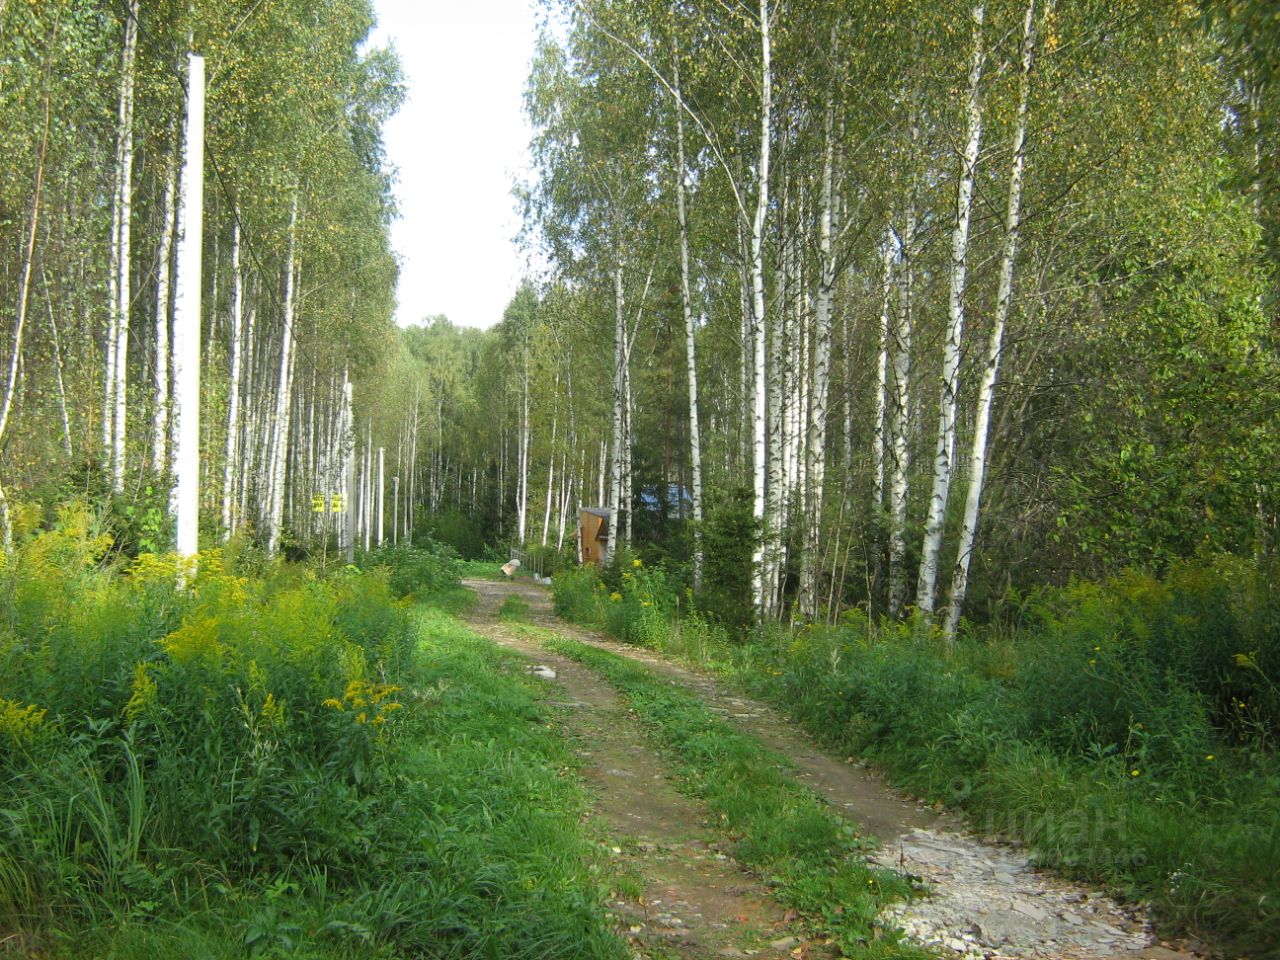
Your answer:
<point x="593" y="534"/>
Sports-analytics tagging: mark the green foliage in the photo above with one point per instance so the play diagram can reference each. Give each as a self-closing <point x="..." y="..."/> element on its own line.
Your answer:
<point x="467" y="534"/>
<point x="728" y="537"/>
<point x="577" y="593"/>
<point x="271" y="765"/>
<point x="547" y="559"/>
<point x="419" y="572"/>
<point x="1126" y="732"/>
<point x="630" y="600"/>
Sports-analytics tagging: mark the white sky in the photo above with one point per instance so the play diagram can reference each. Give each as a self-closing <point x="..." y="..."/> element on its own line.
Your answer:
<point x="458" y="142"/>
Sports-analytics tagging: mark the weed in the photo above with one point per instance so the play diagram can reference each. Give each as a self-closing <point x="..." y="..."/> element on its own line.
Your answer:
<point x="273" y="762"/>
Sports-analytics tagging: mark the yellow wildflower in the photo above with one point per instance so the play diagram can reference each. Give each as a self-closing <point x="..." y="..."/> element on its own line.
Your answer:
<point x="637" y="562"/>
<point x="20" y="722"/>
<point x="143" y="694"/>
<point x="194" y="642"/>
<point x="1135" y="773"/>
<point x="363" y="694"/>
<point x="1209" y="757"/>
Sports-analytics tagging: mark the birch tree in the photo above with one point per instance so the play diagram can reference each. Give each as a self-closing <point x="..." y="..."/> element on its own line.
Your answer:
<point x="943" y="466"/>
<point x="115" y="407"/>
<point x="995" y="342"/>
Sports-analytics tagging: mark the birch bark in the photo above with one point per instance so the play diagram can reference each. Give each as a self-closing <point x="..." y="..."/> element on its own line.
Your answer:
<point x="233" y="400"/>
<point x="691" y="359"/>
<point x="522" y="482"/>
<point x="551" y="476"/>
<point x="882" y="370"/>
<point x="619" y="400"/>
<point x="900" y="419"/>
<point x="58" y="369"/>
<point x="943" y="465"/>
<point x="20" y="317"/>
<point x="116" y="397"/>
<point x="816" y="440"/>
<point x="164" y="270"/>
<point x="995" y="344"/>
<point x="280" y="442"/>
<point x="759" y="413"/>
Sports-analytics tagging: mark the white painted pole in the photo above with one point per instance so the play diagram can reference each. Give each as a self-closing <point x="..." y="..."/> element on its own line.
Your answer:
<point x="382" y="492"/>
<point x="186" y="321"/>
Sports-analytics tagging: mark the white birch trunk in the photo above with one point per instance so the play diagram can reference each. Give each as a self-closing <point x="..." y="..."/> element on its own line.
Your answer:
<point x="900" y="419"/>
<point x="522" y="453"/>
<point x="20" y="319"/>
<point x="551" y="477"/>
<point x="759" y="412"/>
<point x="995" y="344"/>
<point x="58" y="369"/>
<point x="347" y="457"/>
<point x="395" y="510"/>
<point x="627" y="445"/>
<point x="943" y="467"/>
<point x="247" y="446"/>
<point x="124" y="291"/>
<point x="690" y="339"/>
<point x="411" y="506"/>
<point x="367" y="491"/>
<point x="164" y="267"/>
<point x="284" y="394"/>
<point x="619" y="400"/>
<point x="882" y="370"/>
<point x="815" y="466"/>
<point x="382" y="494"/>
<point x="229" y="520"/>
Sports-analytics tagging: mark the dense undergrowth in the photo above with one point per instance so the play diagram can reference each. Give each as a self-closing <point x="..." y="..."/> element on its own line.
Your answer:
<point x="1125" y="730"/>
<point x="273" y="761"/>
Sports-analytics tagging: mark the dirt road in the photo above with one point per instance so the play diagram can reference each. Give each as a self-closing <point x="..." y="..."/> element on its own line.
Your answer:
<point x="987" y="901"/>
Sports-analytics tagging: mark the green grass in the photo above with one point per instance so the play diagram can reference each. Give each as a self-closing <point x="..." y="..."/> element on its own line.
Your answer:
<point x="475" y="846"/>
<point x="812" y="859"/>
<point x="1125" y="730"/>
<point x="274" y="763"/>
<point x="514" y="609"/>
<point x="481" y="569"/>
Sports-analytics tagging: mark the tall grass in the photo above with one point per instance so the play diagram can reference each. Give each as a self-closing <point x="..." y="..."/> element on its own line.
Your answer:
<point x="1125" y="730"/>
<point x="271" y="762"/>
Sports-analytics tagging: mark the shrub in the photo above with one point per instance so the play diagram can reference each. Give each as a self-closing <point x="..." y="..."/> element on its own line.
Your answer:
<point x="578" y="595"/>
<point x="416" y="572"/>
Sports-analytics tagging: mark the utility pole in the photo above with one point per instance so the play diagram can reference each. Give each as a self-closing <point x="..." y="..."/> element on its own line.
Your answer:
<point x="186" y="321"/>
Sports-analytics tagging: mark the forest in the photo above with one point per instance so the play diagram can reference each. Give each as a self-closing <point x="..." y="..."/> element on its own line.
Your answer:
<point x="922" y="355"/>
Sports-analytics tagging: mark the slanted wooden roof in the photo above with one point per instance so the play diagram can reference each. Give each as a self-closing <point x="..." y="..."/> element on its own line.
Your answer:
<point x="597" y="512"/>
